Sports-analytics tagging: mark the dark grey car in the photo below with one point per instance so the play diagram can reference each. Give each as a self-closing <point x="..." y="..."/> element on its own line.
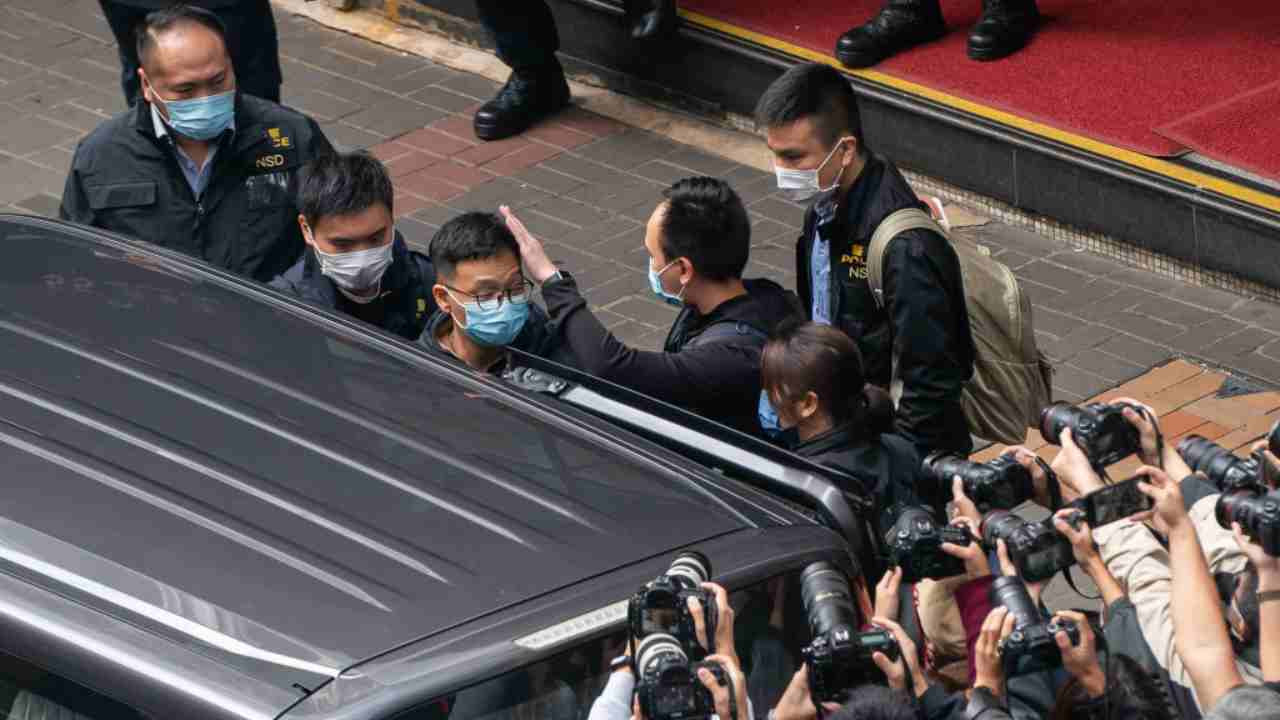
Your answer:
<point x="218" y="503"/>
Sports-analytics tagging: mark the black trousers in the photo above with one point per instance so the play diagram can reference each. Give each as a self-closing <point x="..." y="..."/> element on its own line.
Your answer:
<point x="524" y="31"/>
<point x="251" y="40"/>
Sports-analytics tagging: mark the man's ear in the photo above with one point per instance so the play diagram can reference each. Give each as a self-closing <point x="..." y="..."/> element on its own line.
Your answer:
<point x="306" y="230"/>
<point x="808" y="405"/>
<point x="849" y="154"/>
<point x="442" y="299"/>
<point x="687" y="270"/>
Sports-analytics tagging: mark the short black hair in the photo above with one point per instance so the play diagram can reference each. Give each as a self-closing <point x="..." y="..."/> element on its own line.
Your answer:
<point x="161" y="21"/>
<point x="817" y="91"/>
<point x="343" y="184"/>
<point x="706" y="222"/>
<point x="876" y="702"/>
<point x="471" y="236"/>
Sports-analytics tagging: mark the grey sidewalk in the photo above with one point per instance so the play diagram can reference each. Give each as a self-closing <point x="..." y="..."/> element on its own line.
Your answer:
<point x="586" y="184"/>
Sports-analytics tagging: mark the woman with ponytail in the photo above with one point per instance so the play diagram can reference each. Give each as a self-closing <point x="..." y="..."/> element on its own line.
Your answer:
<point x="813" y="377"/>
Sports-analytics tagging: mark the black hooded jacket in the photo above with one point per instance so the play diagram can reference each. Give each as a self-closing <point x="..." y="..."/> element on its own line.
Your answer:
<point x="887" y="464"/>
<point x="714" y="373"/>
<point x="406" y="302"/>
<point x="924" y="322"/>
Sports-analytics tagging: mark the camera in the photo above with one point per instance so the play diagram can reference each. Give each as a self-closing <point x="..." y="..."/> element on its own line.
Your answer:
<point x="1037" y="548"/>
<point x="914" y="543"/>
<point x="667" y="685"/>
<point x="1258" y="515"/>
<point x="1031" y="646"/>
<point x="1001" y="484"/>
<point x="839" y="658"/>
<point x="1099" y="429"/>
<point x="662" y="605"/>
<point x="1230" y="473"/>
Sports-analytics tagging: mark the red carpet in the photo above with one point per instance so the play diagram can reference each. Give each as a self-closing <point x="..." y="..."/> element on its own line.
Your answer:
<point x="1155" y="76"/>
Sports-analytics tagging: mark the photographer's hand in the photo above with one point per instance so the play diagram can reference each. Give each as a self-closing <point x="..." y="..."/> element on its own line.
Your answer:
<point x="887" y="600"/>
<point x="1039" y="480"/>
<point x="1270" y="473"/>
<point x="962" y="506"/>
<point x="797" y="700"/>
<point x="988" y="672"/>
<point x="1086" y="553"/>
<point x="1169" y="514"/>
<point x="975" y="559"/>
<point x="1082" y="660"/>
<point x="720" y="693"/>
<point x="1148" y="430"/>
<point x="1268" y="569"/>
<point x="724" y="621"/>
<point x="532" y="253"/>
<point x="1007" y="567"/>
<point x="907" y="666"/>
<point x="1073" y="468"/>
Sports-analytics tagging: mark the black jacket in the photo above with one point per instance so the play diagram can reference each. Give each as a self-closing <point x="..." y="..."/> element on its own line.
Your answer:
<point x="924" y="322"/>
<point x="125" y="179"/>
<point x="713" y="374"/>
<point x="406" y="301"/>
<point x="887" y="464"/>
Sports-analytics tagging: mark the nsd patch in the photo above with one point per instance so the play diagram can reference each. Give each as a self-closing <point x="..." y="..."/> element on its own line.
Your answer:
<point x="270" y="162"/>
<point x="279" y="140"/>
<point x="856" y="260"/>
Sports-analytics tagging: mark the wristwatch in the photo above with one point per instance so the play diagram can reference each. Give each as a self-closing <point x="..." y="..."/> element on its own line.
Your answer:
<point x="622" y="662"/>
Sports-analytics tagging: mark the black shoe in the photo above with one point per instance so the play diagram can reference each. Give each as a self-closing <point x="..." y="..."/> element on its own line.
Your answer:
<point x="651" y="19"/>
<point x="1004" y="28"/>
<point x="900" y="24"/>
<point x="528" y="96"/>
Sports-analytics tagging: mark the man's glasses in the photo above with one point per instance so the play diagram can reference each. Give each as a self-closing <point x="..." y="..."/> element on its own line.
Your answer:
<point x="517" y="294"/>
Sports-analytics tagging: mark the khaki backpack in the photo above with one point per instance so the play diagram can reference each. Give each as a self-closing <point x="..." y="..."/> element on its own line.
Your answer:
<point x="1011" y="380"/>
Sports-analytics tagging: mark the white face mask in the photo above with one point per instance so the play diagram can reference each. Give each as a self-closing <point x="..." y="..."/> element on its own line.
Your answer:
<point x="804" y="185"/>
<point x="358" y="271"/>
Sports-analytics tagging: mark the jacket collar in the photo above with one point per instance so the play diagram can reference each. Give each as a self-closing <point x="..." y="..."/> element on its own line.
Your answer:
<point x="845" y="217"/>
<point x="840" y="437"/>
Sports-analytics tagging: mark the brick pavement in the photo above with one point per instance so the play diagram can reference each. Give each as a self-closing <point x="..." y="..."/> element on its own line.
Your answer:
<point x="587" y="184"/>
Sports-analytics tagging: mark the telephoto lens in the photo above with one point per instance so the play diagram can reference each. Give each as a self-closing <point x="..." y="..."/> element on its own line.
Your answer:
<point x="662" y="606"/>
<point x="828" y="602"/>
<point x="1031" y="646"/>
<point x="1231" y="474"/>
<point x="667" y="687"/>
<point x="1100" y="430"/>
<point x="1001" y="483"/>
<point x="839" y="658"/>
<point x="1258" y="515"/>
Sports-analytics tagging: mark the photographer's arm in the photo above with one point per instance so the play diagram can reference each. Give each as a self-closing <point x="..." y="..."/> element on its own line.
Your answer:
<point x="1088" y="557"/>
<point x="614" y="702"/>
<point x="1268" y="569"/>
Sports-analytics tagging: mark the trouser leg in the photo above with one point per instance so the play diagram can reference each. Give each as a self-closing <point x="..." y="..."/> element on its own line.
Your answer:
<point x="123" y="19"/>
<point x="524" y="31"/>
<point x="254" y="45"/>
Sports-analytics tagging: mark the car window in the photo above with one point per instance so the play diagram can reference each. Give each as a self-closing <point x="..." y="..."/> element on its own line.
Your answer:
<point x="28" y="692"/>
<point x="769" y="630"/>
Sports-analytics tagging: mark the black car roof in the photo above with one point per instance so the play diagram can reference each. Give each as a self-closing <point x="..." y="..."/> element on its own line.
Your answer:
<point x="260" y="481"/>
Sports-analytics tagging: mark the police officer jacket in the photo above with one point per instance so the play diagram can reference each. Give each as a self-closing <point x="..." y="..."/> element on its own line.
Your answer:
<point x="710" y="364"/>
<point x="126" y="179"/>
<point x="404" y="306"/>
<point x="924" y="321"/>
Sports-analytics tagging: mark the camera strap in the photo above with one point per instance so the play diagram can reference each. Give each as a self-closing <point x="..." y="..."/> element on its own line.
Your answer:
<point x="1066" y="573"/>
<point x="1055" y="489"/>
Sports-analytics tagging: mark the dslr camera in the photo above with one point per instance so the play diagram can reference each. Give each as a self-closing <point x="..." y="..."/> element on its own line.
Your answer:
<point x="1258" y="515"/>
<point x="1230" y="473"/>
<point x="839" y="657"/>
<point x="667" y="685"/>
<point x="1031" y="646"/>
<point x="914" y="543"/>
<point x="1001" y="484"/>
<point x="1099" y="429"/>
<point x="1037" y="548"/>
<point x="662" y="605"/>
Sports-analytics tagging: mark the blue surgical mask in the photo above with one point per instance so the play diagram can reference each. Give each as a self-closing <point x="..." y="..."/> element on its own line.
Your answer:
<point x="768" y="416"/>
<point x="655" y="284"/>
<point x="497" y="326"/>
<point x="201" y="118"/>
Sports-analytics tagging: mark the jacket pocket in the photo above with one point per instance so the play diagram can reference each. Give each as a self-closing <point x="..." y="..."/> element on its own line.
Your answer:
<point x="121" y="195"/>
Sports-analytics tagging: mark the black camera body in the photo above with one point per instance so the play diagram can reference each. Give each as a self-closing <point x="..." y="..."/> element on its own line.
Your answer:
<point x="1037" y="548"/>
<point x="914" y="543"/>
<point x="1031" y="646"/>
<point x="1099" y="429"/>
<point x="1231" y="474"/>
<point x="1258" y="515"/>
<point x="1113" y="502"/>
<point x="667" y="685"/>
<point x="1000" y="484"/>
<point x="661" y="607"/>
<point x="839" y="657"/>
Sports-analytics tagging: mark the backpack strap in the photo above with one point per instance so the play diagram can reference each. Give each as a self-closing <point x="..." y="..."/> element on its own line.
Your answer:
<point x="891" y="227"/>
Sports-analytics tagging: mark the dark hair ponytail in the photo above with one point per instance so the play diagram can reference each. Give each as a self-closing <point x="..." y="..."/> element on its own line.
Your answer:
<point x="811" y="357"/>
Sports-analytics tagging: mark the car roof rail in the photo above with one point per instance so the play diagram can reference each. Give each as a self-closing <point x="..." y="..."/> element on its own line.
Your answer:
<point x="759" y="463"/>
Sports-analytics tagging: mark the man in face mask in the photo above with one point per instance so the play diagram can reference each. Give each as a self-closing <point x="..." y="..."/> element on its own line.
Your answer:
<point x="815" y="133"/>
<point x="485" y="302"/>
<point x="696" y="247"/>
<point x="197" y="167"/>
<point x="356" y="262"/>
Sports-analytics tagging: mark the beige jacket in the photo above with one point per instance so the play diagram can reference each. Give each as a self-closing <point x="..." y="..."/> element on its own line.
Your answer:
<point x="1141" y="565"/>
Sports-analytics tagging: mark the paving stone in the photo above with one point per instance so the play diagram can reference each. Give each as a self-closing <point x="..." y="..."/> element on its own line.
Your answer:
<point x="29" y="135"/>
<point x="1055" y="276"/>
<point x="593" y="276"/>
<point x="573" y="212"/>
<point x="1053" y="322"/>
<point x="418" y="234"/>
<point x="1213" y="299"/>
<point x="661" y="171"/>
<point x="776" y="256"/>
<point x="629" y="285"/>
<point x="410" y="162"/>
<point x="472" y="86"/>
<point x="435" y="142"/>
<point x="1149" y="281"/>
<point x="1159" y="378"/>
<point x="320" y="105"/>
<point x="777" y="210"/>
<point x="43" y="204"/>
<point x="623" y="246"/>
<point x="698" y="162"/>
<point x="545" y="226"/>
<point x="417" y="79"/>
<point x="765" y="231"/>
<point x="548" y="180"/>
<point x="54" y="158"/>
<point x="1186" y="392"/>
<point x="502" y="191"/>
<point x="1012" y="258"/>
<point x="629" y="194"/>
<point x="599" y="233"/>
<point x="1086" y="262"/>
<point x="1258" y="312"/>
<point x="1259" y="366"/>
<point x="1083" y="338"/>
<point x="629" y="150"/>
<point x="74" y="116"/>
<point x="444" y="99"/>
<point x="525" y="157"/>
<point x="1142" y="326"/>
<point x="590" y="123"/>
<point x="347" y="138"/>
<point x="633" y="334"/>
<point x="1108" y="366"/>
<point x="558" y="135"/>
<point x="435" y="214"/>
<point x="1220" y="338"/>
<point x="458" y="126"/>
<point x="1133" y="350"/>
<point x="394" y="116"/>
<point x="1175" y="312"/>
<point x="588" y="171"/>
<point x="1007" y="236"/>
<point x="755" y="188"/>
<point x="426" y="185"/>
<point x="1072" y="379"/>
<point x="20" y="180"/>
